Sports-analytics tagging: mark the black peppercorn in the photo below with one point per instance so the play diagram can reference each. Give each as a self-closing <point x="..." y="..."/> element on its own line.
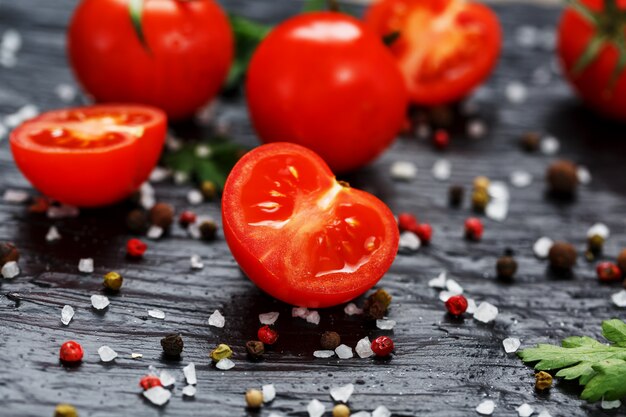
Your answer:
<point x="172" y="345"/>
<point x="621" y="261"/>
<point x="8" y="253"/>
<point x="255" y="349"/>
<point x="506" y="267"/>
<point x="441" y="116"/>
<point x="595" y="244"/>
<point x="330" y="340"/>
<point x="208" y="230"/>
<point x="377" y="304"/>
<point x="562" y="178"/>
<point x="455" y="195"/>
<point x="137" y="221"/>
<point x="530" y="141"/>
<point x="562" y="256"/>
<point x="162" y="215"/>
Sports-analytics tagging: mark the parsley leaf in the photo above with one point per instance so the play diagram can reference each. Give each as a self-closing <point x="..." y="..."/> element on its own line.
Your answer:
<point x="600" y="368"/>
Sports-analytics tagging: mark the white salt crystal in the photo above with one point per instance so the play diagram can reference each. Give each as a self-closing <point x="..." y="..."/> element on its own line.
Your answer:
<point x="542" y="247"/>
<point x="609" y="405"/>
<point x="85" y="265"/>
<point x="53" y="234"/>
<point x="272" y="414"/>
<point x="15" y="196"/>
<point x="442" y="169"/>
<point x="445" y="295"/>
<point x="351" y="309"/>
<point x="269" y="393"/>
<point x="152" y="370"/>
<point x="11" y="40"/>
<point x="525" y="410"/>
<point x="196" y="262"/>
<point x="157" y="395"/>
<point x="3" y="131"/>
<point x="190" y="374"/>
<point x="269" y="318"/>
<point x="544" y="413"/>
<point x="364" y="348"/>
<point x="99" y="302"/>
<point x="225" y="364"/>
<point x="324" y="353"/>
<point x="409" y="241"/>
<point x="194" y="230"/>
<point x="203" y="151"/>
<point x="476" y="129"/>
<point x="454" y="287"/>
<point x="299" y="312"/>
<point x="157" y="314"/>
<point x="497" y="210"/>
<point x="342" y="393"/>
<point x="106" y="354"/>
<point x="8" y="59"/>
<point x="385" y="324"/>
<point x="313" y="317"/>
<point x="135" y="355"/>
<point x="180" y="177"/>
<point x="62" y="212"/>
<point x="549" y="145"/>
<point x="403" y="171"/>
<point x="584" y="176"/>
<point x="166" y="378"/>
<point x="423" y="131"/>
<point x="173" y="143"/>
<point x="154" y="232"/>
<point x="147" y="189"/>
<point x="195" y="197"/>
<point x="599" y="229"/>
<point x="516" y="92"/>
<point x="216" y="319"/>
<point x="189" y="391"/>
<point x="511" y="344"/>
<point x="67" y="314"/>
<point x="486" y="312"/>
<point x="439" y="282"/>
<point x="315" y="408"/>
<point x="159" y="174"/>
<point x="381" y="411"/>
<point x="147" y="201"/>
<point x="361" y="414"/>
<point x="10" y="270"/>
<point x="527" y="36"/>
<point x="498" y="190"/>
<point x="486" y="408"/>
<point x="471" y="306"/>
<point x="521" y="179"/>
<point x="619" y="298"/>
<point x="65" y="92"/>
<point x="345" y="352"/>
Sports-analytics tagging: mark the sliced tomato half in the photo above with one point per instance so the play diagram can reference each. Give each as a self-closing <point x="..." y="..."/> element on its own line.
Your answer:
<point x="90" y="156"/>
<point x="445" y="48"/>
<point x="301" y="235"/>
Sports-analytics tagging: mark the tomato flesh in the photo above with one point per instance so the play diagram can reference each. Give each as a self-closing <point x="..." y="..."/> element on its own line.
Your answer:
<point x="299" y="234"/>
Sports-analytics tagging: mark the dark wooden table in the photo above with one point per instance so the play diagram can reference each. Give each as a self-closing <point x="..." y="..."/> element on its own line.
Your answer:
<point x="442" y="367"/>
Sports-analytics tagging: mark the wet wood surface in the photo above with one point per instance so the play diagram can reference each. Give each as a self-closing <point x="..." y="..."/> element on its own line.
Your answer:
<point x="442" y="366"/>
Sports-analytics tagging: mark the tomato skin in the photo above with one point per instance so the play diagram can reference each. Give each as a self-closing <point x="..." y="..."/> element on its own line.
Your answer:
<point x="266" y="256"/>
<point x="324" y="81"/>
<point x="457" y="75"/>
<point x="89" y="178"/>
<point x="190" y="51"/>
<point x="593" y="84"/>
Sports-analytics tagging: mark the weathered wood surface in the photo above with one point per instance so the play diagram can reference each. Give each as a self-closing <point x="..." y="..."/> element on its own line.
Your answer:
<point x="442" y="367"/>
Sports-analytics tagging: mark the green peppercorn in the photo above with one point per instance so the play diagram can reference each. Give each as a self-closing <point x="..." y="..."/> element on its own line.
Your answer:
<point x="208" y="230"/>
<point x="543" y="381"/>
<point x="562" y="178"/>
<point x="455" y="195"/>
<point x="113" y="281"/>
<point x="330" y="340"/>
<point x="481" y="183"/>
<point x="506" y="267"/>
<point x="480" y="199"/>
<point x="8" y="253"/>
<point x="172" y="345"/>
<point x="255" y="349"/>
<point x="377" y="304"/>
<point x="162" y="215"/>
<point x="254" y="398"/>
<point x="222" y="351"/>
<point x="137" y="221"/>
<point x="208" y="189"/>
<point x="65" y="410"/>
<point x="595" y="244"/>
<point x="530" y="141"/>
<point x="562" y="256"/>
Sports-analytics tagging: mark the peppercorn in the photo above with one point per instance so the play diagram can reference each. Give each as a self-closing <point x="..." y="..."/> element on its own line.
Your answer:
<point x="222" y="351"/>
<point x="562" y="178"/>
<point x="441" y="139"/>
<point x="562" y="256"/>
<point x="473" y="229"/>
<point x="406" y="221"/>
<point x="506" y="267"/>
<point x="595" y="245"/>
<point x="425" y="232"/>
<point x="330" y="340"/>
<point x="255" y="349"/>
<point x="135" y="248"/>
<point x="376" y="304"/>
<point x="208" y="230"/>
<point x="267" y="335"/>
<point x="341" y="410"/>
<point x="608" y="271"/>
<point x="71" y="352"/>
<point x="208" y="189"/>
<point x="543" y="381"/>
<point x="530" y="141"/>
<point x="621" y="261"/>
<point x="65" y="410"/>
<point x="480" y="199"/>
<point x="381" y="296"/>
<point x="113" y="281"/>
<point x="8" y="253"/>
<point x="456" y="305"/>
<point x="150" y="381"/>
<point x="172" y="345"/>
<point x="481" y="183"/>
<point x="137" y="221"/>
<point x="455" y="195"/>
<point x="254" y="398"/>
<point x="382" y="346"/>
<point x="162" y="215"/>
<point x="441" y="116"/>
<point x="186" y="218"/>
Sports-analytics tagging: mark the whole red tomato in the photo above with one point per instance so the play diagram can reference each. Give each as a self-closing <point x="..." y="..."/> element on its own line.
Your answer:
<point x="301" y="235"/>
<point x="324" y="81"/>
<point x="178" y="65"/>
<point x="445" y="48"/>
<point x="591" y="47"/>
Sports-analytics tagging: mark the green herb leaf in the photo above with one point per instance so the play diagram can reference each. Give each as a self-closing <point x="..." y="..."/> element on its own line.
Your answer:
<point x="135" y="9"/>
<point x="248" y="36"/>
<point x="600" y="368"/>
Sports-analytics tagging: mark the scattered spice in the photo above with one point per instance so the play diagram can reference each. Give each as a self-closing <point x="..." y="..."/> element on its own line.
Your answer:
<point x="441" y="116"/>
<point x="377" y="304"/>
<point x="621" y="261"/>
<point x="543" y="381"/>
<point x="137" y="221"/>
<point x="255" y="349"/>
<point x="172" y="345"/>
<point x="480" y="199"/>
<point x="473" y="229"/>
<point x="65" y="410"/>
<point x="455" y="195"/>
<point x="608" y="271"/>
<point x="150" y="381"/>
<point x="425" y="232"/>
<point x="506" y="266"/>
<point x="208" y="190"/>
<point x="254" y="398"/>
<point x="135" y="248"/>
<point x="562" y="256"/>
<point x="595" y="244"/>
<point x="441" y="139"/>
<point x="113" y="281"/>
<point x="406" y="221"/>
<point x="40" y="205"/>
<point x="562" y="178"/>
<point x="222" y="351"/>
<point x="330" y="340"/>
<point x="208" y="230"/>
<point x="8" y="253"/>
<point x="71" y="352"/>
<point x="341" y="410"/>
<point x="530" y="141"/>
<point x="481" y="183"/>
<point x="382" y="346"/>
<point x="267" y="335"/>
<point x="186" y="218"/>
<point x="162" y="215"/>
<point x="456" y="305"/>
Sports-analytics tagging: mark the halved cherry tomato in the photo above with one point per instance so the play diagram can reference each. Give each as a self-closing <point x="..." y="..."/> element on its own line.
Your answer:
<point x="445" y="48"/>
<point x="301" y="235"/>
<point x="90" y="156"/>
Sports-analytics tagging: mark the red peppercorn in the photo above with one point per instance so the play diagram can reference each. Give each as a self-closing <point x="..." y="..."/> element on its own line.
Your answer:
<point x="136" y="248"/>
<point x="267" y="335"/>
<point x="473" y="228"/>
<point x="186" y="218"/>
<point x="608" y="271"/>
<point x="406" y="221"/>
<point x="424" y="231"/>
<point x="71" y="352"/>
<point x="382" y="346"/>
<point x="441" y="139"/>
<point x="456" y="305"/>
<point x="150" y="381"/>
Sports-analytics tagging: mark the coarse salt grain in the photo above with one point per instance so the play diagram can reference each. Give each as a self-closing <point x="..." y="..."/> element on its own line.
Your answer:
<point x="409" y="241"/>
<point x="385" y="324"/>
<point x="497" y="210"/>
<point x="159" y="174"/>
<point x="154" y="232"/>
<point x="167" y="379"/>
<point x="180" y="177"/>
<point x="269" y="318"/>
<point x="10" y="270"/>
<point x="324" y="353"/>
<point x="156" y="313"/>
<point x="476" y="129"/>
<point x="195" y="262"/>
<point x="194" y="197"/>
<point x="361" y="414"/>
<point x="381" y="411"/>
<point x="364" y="348"/>
<point x="542" y="247"/>
<point x="486" y="312"/>
<point x="549" y="145"/>
<point x="216" y="319"/>
<point x="442" y="170"/>
<point x="85" y="265"/>
<point x="313" y="317"/>
<point x="300" y="312"/>
<point x="521" y="179"/>
<point x="609" y="405"/>
<point x="53" y="234"/>
<point x="471" y="306"/>
<point x="225" y="364"/>
<point x="158" y="395"/>
<point x="269" y="393"/>
<point x="403" y="171"/>
<point x="511" y="344"/>
<point x="454" y="287"/>
<point x="99" y="302"/>
<point x="15" y="196"/>
<point x="351" y="309"/>
<point x="189" y="391"/>
<point x="584" y="176"/>
<point x="67" y="313"/>
<point x="190" y="374"/>
<point x="203" y="151"/>
<point x="423" y="131"/>
<point x="344" y="352"/>
<point x="135" y="355"/>
<point x="516" y="92"/>
<point x="445" y="295"/>
<point x="486" y="408"/>
<point x="525" y="410"/>
<point x="11" y="40"/>
<point x="106" y="354"/>
<point x="527" y="36"/>
<point x="65" y="92"/>
<point x="599" y="229"/>
<point x="544" y="413"/>
<point x="342" y="393"/>
<point x="273" y="414"/>
<point x="439" y="281"/>
<point x="619" y="298"/>
<point x="62" y="212"/>
<point x="315" y="408"/>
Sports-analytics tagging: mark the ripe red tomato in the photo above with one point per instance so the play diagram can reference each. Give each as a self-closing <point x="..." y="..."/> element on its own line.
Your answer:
<point x="90" y="156"/>
<point x="187" y="53"/>
<point x="445" y="48"/>
<point x="325" y="82"/>
<point x="301" y="235"/>
<point x="597" y="77"/>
